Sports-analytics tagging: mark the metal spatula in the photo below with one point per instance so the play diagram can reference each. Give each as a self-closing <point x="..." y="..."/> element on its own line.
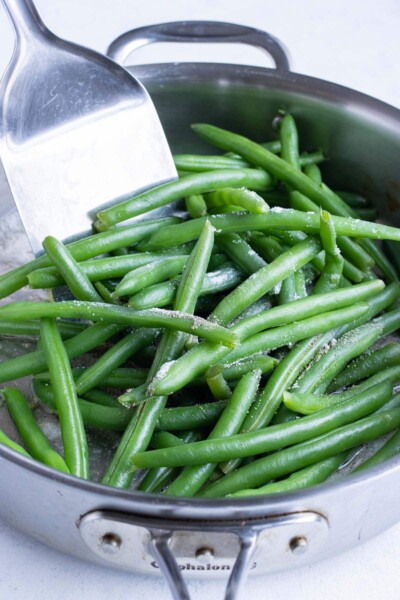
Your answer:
<point x="77" y="131"/>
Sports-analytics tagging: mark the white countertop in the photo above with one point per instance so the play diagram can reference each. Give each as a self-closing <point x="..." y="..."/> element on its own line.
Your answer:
<point x="352" y="42"/>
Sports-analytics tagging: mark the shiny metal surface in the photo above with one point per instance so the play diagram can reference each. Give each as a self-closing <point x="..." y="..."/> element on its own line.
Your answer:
<point x="76" y="131"/>
<point x="362" y="137"/>
<point x="198" y="32"/>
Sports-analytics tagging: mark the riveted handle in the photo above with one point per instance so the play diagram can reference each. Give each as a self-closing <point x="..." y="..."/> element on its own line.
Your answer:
<point x="172" y="547"/>
<point x="159" y="544"/>
<point x="198" y="32"/>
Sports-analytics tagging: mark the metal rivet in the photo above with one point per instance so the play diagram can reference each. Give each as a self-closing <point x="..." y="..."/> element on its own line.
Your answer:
<point x="204" y="555"/>
<point x="110" y="543"/>
<point x="298" y="545"/>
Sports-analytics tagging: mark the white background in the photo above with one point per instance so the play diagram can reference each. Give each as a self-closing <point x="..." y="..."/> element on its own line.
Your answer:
<point x="352" y="42"/>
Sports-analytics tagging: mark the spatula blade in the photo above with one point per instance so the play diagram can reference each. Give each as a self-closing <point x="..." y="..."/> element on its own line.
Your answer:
<point x="78" y="133"/>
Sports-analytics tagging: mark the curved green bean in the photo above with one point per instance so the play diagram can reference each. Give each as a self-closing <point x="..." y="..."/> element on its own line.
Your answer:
<point x="35" y="441"/>
<point x="196" y="183"/>
<point x="69" y="268"/>
<point x="306" y="477"/>
<point x="240" y="197"/>
<point x="154" y="272"/>
<point x="71" y="422"/>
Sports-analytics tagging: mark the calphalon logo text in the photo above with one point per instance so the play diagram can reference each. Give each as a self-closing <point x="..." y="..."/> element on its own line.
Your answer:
<point x="206" y="567"/>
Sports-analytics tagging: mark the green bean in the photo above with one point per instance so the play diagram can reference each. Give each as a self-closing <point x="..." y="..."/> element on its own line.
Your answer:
<point x="134" y="396"/>
<point x="392" y="250"/>
<point x="300" y="284"/>
<point x="164" y="439"/>
<point x="67" y="329"/>
<point x="122" y="377"/>
<point x="199" y="163"/>
<point x="272" y="437"/>
<point x="35" y="441"/>
<point x="101" y="397"/>
<point x="113" y="358"/>
<point x="197" y="360"/>
<point x="263" y="280"/>
<point x="307" y="403"/>
<point x="355" y="254"/>
<point x="196" y="183"/>
<point x="6" y="441"/>
<point x="240" y="197"/>
<point x="196" y="206"/>
<point x="34" y="362"/>
<point x="238" y="369"/>
<point x="313" y="172"/>
<point x="333" y="267"/>
<point x="156" y="479"/>
<point x="163" y="294"/>
<point x="101" y="243"/>
<point x="310" y="403"/>
<point x="302" y="455"/>
<point x="274" y="220"/>
<point x="159" y="270"/>
<point x="330" y="276"/>
<point x="69" y="268"/>
<point x="158" y="317"/>
<point x="197" y="416"/>
<point x="323" y="370"/>
<point x="186" y="368"/>
<point x="287" y="292"/>
<point x="268" y="247"/>
<point x="96" y="416"/>
<point x="261" y="157"/>
<point x="71" y="423"/>
<point x="219" y="389"/>
<point x="390" y="321"/>
<point x="97" y="269"/>
<point x="192" y="478"/>
<point x="289" y="141"/>
<point x="384" y="265"/>
<point x="366" y="365"/>
<point x="240" y="252"/>
<point x="159" y="295"/>
<point x="140" y="429"/>
<point x="390" y="449"/>
<point x="105" y="294"/>
<point x="297" y="359"/>
<point x="306" y="477"/>
<point x="349" y="270"/>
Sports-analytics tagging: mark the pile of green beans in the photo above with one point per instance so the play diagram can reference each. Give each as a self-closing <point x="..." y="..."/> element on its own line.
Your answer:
<point x="239" y="349"/>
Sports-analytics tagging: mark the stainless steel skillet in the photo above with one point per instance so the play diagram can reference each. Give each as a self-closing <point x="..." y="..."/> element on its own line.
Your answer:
<point x="131" y="530"/>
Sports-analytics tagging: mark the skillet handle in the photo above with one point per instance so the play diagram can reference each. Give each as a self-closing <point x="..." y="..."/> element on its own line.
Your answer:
<point x="159" y="544"/>
<point x="198" y="32"/>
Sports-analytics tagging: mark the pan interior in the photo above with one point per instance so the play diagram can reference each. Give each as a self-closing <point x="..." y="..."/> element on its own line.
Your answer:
<point x="360" y="136"/>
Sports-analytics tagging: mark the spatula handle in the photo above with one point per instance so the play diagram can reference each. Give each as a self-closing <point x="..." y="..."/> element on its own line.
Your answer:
<point x="25" y="19"/>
